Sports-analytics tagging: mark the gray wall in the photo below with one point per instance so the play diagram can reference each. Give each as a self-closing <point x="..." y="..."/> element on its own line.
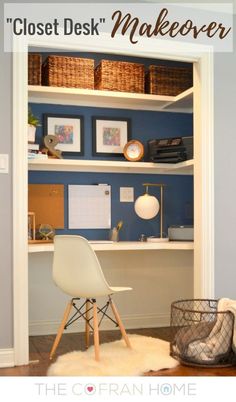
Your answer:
<point x="225" y="185"/>
<point x="6" y="325"/>
<point x="225" y="172"/>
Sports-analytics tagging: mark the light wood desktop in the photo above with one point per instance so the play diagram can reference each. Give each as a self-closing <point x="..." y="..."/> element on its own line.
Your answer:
<point x="120" y="246"/>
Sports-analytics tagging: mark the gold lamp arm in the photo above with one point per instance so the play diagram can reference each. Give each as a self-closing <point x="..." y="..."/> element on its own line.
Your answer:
<point x="161" y="213"/>
<point x="161" y="202"/>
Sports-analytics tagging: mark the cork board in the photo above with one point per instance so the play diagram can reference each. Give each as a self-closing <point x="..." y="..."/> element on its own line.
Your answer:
<point x="47" y="202"/>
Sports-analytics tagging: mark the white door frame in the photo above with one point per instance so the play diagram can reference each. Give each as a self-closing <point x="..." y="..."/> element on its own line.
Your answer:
<point x="203" y="169"/>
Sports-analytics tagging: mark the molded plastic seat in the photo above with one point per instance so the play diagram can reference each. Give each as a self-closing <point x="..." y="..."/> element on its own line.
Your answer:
<point x="78" y="273"/>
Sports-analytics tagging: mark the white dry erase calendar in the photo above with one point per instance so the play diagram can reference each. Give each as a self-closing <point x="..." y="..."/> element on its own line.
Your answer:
<point x="89" y="206"/>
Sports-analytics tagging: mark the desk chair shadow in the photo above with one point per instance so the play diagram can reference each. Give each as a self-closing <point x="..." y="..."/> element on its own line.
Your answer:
<point x="77" y="272"/>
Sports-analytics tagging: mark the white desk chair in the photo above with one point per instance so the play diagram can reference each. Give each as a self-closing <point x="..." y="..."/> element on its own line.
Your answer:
<point x="77" y="272"/>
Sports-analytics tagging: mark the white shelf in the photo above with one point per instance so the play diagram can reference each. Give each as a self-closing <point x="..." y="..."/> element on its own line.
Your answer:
<point x="121" y="246"/>
<point x="183" y="103"/>
<point x="80" y="165"/>
<point x="119" y="100"/>
<point x="85" y="97"/>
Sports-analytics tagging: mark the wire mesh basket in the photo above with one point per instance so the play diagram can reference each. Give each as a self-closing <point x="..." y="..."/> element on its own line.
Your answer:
<point x="201" y="334"/>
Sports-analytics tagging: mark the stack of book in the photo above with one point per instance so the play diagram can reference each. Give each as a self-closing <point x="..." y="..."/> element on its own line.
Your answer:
<point x="34" y="152"/>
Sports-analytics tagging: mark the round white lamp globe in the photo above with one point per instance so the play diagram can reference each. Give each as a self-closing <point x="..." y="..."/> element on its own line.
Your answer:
<point x="146" y="206"/>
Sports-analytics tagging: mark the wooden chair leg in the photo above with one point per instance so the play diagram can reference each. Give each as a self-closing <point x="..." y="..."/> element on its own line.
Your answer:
<point x="87" y="328"/>
<point x="120" y="323"/>
<point x="96" y="331"/>
<point x="61" y="328"/>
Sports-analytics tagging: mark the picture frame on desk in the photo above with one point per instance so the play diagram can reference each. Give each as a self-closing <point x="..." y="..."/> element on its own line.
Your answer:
<point x="110" y="134"/>
<point x="69" y="129"/>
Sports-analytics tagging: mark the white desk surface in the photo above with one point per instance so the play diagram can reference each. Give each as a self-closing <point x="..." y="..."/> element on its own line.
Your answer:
<point x="121" y="246"/>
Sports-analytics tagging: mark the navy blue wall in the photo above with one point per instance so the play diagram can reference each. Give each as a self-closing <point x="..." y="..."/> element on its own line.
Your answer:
<point x="177" y="206"/>
<point x="144" y="125"/>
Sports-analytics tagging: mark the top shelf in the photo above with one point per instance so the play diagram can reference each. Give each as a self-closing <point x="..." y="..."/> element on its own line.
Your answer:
<point x="182" y="103"/>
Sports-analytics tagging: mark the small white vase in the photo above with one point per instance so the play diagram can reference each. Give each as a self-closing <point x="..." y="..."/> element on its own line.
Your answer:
<point x="31" y="134"/>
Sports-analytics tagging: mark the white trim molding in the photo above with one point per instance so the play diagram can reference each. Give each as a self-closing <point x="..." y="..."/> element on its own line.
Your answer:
<point x="130" y="322"/>
<point x="7" y="358"/>
<point x="203" y="169"/>
<point x="203" y="178"/>
<point x="20" y="205"/>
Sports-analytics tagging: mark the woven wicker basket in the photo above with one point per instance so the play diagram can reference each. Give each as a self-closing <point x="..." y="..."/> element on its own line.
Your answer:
<point x="34" y="68"/>
<point x="120" y="76"/>
<point x="71" y="72"/>
<point x="165" y="80"/>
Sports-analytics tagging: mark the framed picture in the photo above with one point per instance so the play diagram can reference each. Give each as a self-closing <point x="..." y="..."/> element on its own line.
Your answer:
<point x="68" y="129"/>
<point x="110" y="135"/>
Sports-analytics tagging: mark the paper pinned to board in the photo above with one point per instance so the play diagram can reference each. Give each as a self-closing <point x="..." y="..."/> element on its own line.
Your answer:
<point x="89" y="206"/>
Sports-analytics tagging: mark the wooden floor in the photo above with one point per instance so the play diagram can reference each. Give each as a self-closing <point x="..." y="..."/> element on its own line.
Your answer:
<point x="41" y="345"/>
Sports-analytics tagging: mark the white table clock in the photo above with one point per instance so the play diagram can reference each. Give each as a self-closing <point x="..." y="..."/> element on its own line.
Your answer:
<point x="134" y="150"/>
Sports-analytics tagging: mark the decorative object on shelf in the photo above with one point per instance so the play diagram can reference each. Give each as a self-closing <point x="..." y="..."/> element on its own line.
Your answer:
<point x="38" y="156"/>
<point x="110" y="135"/>
<point x="33" y="123"/>
<point x="114" y="233"/>
<point x="68" y="129"/>
<point x="120" y="76"/>
<point x="35" y="153"/>
<point x="147" y="207"/>
<point x="34" y="68"/>
<point x="181" y="233"/>
<point x="170" y="150"/>
<point x="143" y="238"/>
<point x="168" y="80"/>
<point x="33" y="147"/>
<point x="31" y="226"/>
<point x="46" y="232"/>
<point x="50" y="142"/>
<point x="134" y="150"/>
<point x="31" y="133"/>
<point x="70" y="72"/>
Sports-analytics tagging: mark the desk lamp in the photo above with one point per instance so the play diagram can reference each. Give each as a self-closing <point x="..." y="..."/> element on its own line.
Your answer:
<point x="147" y="207"/>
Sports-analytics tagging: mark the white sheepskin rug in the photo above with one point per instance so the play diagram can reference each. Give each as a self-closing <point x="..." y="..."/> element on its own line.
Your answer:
<point x="116" y="359"/>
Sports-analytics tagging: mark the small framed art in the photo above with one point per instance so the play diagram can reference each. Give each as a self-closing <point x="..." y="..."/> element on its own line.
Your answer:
<point x="68" y="129"/>
<point x="110" y="135"/>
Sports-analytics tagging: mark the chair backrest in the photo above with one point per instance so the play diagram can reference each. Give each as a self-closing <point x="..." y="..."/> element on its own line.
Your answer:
<point x="76" y="269"/>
